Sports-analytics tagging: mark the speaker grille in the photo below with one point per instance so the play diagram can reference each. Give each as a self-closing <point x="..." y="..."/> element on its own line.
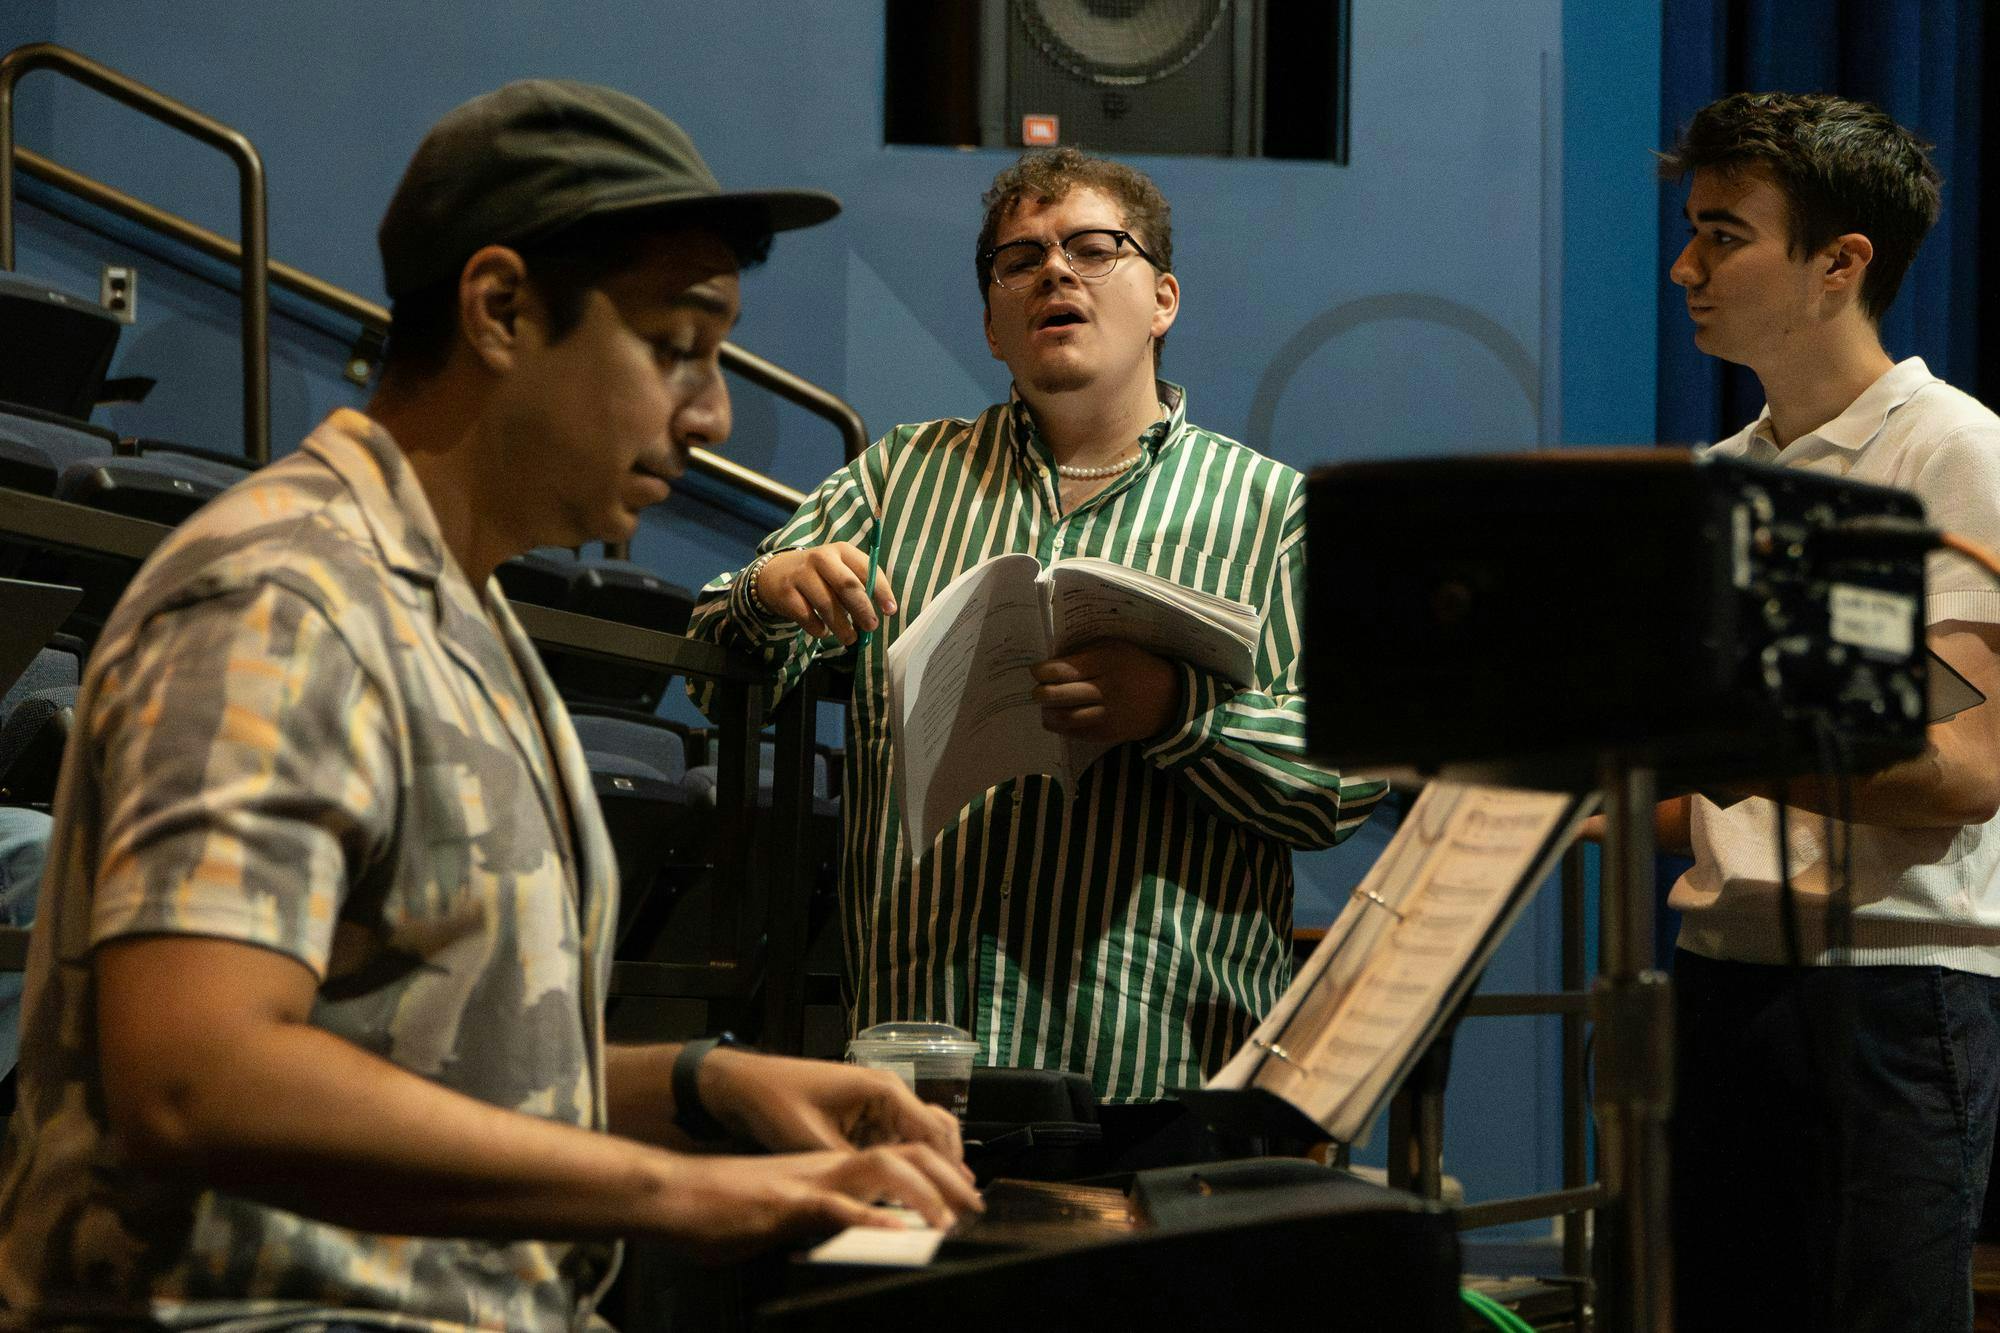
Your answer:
<point x="1234" y="77"/>
<point x="1132" y="76"/>
<point x="1121" y="43"/>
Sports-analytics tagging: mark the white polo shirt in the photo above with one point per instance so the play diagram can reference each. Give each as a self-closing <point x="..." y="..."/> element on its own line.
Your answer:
<point x="1921" y="896"/>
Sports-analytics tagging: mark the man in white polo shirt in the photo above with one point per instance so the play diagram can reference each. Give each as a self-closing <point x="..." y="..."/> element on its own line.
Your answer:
<point x="1834" y="1122"/>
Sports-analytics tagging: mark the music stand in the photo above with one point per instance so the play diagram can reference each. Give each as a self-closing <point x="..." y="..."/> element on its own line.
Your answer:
<point x="1613" y="620"/>
<point x="1395" y="967"/>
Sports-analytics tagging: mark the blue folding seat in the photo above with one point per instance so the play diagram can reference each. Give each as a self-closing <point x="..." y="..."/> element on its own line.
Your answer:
<point x="162" y="487"/>
<point x="631" y="595"/>
<point x="36" y="716"/>
<point x="54" y="347"/>
<point x="638" y="768"/>
<point x="821" y="849"/>
<point x="86" y="464"/>
<point x="540" y="577"/>
<point x="223" y="469"/>
<point x="80" y="463"/>
<point x="701" y="780"/>
<point x="36" y="447"/>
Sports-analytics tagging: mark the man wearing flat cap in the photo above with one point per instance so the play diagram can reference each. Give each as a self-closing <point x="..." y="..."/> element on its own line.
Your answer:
<point x="314" y="1022"/>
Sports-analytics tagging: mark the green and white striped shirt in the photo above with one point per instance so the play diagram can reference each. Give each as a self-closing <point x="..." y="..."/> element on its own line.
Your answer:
<point x="1138" y="933"/>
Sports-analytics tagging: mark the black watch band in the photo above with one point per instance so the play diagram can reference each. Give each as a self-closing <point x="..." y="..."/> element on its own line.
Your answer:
<point x="691" y="1117"/>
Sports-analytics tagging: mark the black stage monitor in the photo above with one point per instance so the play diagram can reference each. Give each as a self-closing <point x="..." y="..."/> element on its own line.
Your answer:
<point x="1513" y="618"/>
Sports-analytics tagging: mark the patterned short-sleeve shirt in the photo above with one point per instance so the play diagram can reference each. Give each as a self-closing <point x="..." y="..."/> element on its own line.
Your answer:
<point x="304" y="730"/>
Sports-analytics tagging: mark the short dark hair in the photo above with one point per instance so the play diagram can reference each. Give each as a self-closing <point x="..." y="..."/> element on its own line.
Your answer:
<point x="564" y="269"/>
<point x="1842" y="166"/>
<point x="1047" y="175"/>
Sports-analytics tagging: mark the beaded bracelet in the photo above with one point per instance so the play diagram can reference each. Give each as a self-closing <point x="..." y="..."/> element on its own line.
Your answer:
<point x="750" y="582"/>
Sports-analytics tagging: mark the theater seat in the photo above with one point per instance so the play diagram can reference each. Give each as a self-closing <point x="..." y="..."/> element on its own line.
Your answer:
<point x="57" y="665"/>
<point x="819" y="855"/>
<point x="701" y="781"/>
<point x="540" y="577"/>
<point x="631" y="595"/>
<point x="638" y="768"/>
<point x="225" y="470"/>
<point x="55" y="346"/>
<point x="32" y="738"/>
<point x="162" y="488"/>
<point x="36" y="713"/>
<point x="36" y="447"/>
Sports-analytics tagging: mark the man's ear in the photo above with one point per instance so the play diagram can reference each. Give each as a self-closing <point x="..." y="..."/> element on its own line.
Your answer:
<point x="986" y="322"/>
<point x="1166" y="303"/>
<point x="492" y="294"/>
<point x="1844" y="263"/>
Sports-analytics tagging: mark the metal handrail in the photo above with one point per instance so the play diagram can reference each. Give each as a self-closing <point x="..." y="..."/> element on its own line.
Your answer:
<point x="804" y="393"/>
<point x="252" y="254"/>
<point x="374" y="318"/>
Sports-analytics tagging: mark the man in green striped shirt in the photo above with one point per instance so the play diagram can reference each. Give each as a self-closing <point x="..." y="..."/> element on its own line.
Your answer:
<point x="1136" y="932"/>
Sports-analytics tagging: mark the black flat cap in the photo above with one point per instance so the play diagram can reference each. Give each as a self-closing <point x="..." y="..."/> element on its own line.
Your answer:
<point x="536" y="157"/>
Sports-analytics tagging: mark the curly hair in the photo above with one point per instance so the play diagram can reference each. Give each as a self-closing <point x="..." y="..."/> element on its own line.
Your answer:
<point x="1842" y="166"/>
<point x="1047" y="175"/>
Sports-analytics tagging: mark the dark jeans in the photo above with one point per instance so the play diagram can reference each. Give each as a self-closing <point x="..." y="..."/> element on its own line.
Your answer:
<point x="1832" y="1133"/>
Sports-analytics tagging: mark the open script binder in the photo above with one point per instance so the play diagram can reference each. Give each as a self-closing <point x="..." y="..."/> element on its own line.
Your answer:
<point x="1395" y="964"/>
<point x="962" y="713"/>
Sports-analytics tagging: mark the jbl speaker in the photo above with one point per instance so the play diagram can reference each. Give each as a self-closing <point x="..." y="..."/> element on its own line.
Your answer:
<point x="1225" y="77"/>
<point x="1122" y="76"/>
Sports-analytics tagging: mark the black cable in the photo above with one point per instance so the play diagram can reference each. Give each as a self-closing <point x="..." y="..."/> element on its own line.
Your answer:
<point x="1788" y="903"/>
<point x="1845" y="1008"/>
<point x="1822" y="729"/>
<point x="1819" y="1035"/>
<point x="1845" y="770"/>
<point x="1798" y="976"/>
<point x="1839" y="819"/>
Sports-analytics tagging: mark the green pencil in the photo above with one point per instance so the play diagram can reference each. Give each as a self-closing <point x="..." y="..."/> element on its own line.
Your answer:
<point x="874" y="555"/>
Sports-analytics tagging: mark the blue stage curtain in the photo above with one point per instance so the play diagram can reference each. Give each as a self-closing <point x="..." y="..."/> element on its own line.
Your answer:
<point x="1922" y="61"/>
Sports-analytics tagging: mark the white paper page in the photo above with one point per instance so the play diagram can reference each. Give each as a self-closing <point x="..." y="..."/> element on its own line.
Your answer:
<point x="1321" y="986"/>
<point x="960" y="703"/>
<point x="1080" y="754"/>
<point x="910" y="1245"/>
<point x="1239" y="617"/>
<point x="1468" y="848"/>
<point x="1306" y="984"/>
<point x="1115" y="603"/>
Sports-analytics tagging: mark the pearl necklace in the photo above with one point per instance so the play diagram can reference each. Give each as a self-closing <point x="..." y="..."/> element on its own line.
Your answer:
<point x="1068" y="473"/>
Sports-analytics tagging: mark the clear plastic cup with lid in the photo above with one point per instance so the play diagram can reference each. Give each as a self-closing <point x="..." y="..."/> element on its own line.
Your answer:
<point x="935" y="1059"/>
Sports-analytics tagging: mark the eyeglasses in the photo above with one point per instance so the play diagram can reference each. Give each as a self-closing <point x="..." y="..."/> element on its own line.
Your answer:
<point x="1091" y="254"/>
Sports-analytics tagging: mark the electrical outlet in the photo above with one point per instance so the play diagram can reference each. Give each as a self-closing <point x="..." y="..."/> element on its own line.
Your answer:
<point x="118" y="291"/>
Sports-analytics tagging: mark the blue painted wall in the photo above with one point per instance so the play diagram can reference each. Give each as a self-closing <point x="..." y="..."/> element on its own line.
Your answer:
<point x="1477" y="278"/>
<point x="1611" y="276"/>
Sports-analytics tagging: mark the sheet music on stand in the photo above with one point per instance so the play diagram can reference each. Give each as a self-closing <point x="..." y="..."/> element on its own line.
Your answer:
<point x="1394" y="966"/>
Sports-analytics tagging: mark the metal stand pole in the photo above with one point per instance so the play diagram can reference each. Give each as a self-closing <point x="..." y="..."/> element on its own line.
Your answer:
<point x="1633" y="1005"/>
<point x="1577" y="1173"/>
